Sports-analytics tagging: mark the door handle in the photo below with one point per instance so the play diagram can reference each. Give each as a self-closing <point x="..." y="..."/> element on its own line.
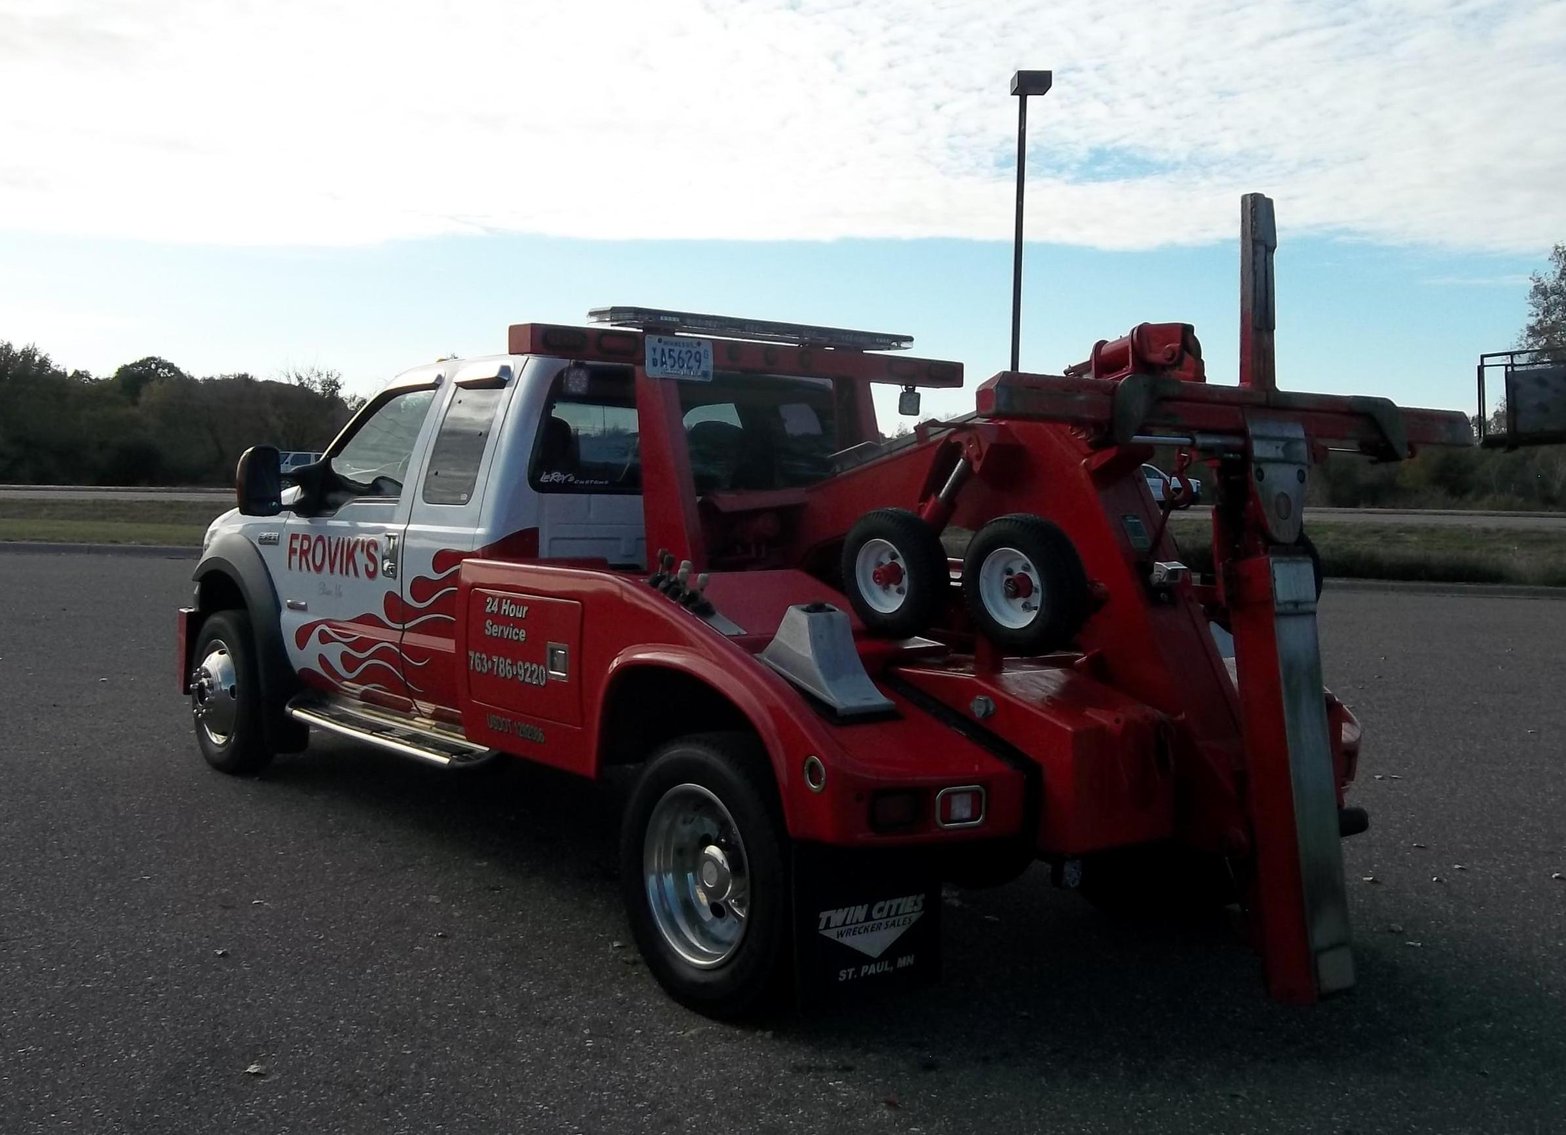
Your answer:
<point x="389" y="557"/>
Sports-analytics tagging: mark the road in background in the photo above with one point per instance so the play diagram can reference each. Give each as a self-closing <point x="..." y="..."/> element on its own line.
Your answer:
<point x="407" y="950"/>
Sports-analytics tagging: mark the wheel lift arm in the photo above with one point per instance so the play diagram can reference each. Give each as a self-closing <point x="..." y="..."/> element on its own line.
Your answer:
<point x="1265" y="438"/>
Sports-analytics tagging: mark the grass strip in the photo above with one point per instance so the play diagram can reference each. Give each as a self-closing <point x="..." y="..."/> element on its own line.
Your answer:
<point x="1449" y="554"/>
<point x="1436" y="554"/>
<point x="101" y="532"/>
<point x="182" y="512"/>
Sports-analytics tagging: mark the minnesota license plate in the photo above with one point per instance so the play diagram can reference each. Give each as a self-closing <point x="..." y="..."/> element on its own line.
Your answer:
<point x="689" y="359"/>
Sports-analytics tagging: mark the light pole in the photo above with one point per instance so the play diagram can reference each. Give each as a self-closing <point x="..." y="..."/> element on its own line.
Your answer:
<point x="1023" y="84"/>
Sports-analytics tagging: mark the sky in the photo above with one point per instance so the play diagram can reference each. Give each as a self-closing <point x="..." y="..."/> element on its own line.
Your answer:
<point x="245" y="186"/>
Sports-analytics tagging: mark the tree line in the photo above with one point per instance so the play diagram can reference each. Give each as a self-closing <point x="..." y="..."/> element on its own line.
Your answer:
<point x="150" y="423"/>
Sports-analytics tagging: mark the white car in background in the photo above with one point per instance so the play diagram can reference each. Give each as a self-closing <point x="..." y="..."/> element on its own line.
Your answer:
<point x="293" y="459"/>
<point x="1158" y="484"/>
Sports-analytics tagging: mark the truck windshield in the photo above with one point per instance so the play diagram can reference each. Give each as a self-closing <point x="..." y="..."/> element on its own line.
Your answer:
<point x="747" y="431"/>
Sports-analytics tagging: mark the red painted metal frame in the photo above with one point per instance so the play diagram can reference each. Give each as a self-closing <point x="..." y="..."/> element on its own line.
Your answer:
<point x="1047" y="448"/>
<point x="628" y="627"/>
<point x="1184" y="408"/>
<point x="1277" y="890"/>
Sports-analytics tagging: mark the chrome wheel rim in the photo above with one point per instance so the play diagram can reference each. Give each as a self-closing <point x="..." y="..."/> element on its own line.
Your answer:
<point x="696" y="875"/>
<point x="881" y="576"/>
<point x="1010" y="588"/>
<point x="214" y="693"/>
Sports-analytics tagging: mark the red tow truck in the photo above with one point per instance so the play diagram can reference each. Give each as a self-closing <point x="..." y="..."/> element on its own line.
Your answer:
<point x="681" y="542"/>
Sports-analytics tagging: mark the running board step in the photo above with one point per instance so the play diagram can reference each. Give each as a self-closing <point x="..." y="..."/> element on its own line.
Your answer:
<point x="407" y="737"/>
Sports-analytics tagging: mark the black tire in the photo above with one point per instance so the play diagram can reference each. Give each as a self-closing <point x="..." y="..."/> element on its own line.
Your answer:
<point x="910" y="604"/>
<point x="673" y="922"/>
<point x="1047" y="564"/>
<point x="1158" y="881"/>
<point x="227" y="707"/>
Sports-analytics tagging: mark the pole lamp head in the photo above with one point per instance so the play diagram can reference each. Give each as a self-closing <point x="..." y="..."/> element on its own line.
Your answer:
<point x="1027" y="83"/>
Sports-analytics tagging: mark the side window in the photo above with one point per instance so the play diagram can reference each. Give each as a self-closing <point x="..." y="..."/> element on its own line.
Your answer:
<point x="715" y="439"/>
<point x="587" y="442"/>
<point x="459" y="446"/>
<point x="375" y="459"/>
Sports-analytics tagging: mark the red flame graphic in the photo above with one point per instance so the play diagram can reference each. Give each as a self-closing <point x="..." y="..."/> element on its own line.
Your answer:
<point x="383" y="660"/>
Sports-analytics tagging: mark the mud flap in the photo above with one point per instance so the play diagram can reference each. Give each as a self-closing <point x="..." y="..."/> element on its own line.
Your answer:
<point x="864" y="922"/>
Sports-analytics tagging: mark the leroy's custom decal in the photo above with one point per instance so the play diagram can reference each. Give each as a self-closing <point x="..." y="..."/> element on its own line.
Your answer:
<point x="353" y="556"/>
<point x="871" y="928"/>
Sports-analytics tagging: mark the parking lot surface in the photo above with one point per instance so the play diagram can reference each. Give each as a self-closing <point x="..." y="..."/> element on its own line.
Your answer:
<point x="394" y="948"/>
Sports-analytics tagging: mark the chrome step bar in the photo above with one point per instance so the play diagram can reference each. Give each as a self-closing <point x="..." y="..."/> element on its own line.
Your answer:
<point x="406" y="736"/>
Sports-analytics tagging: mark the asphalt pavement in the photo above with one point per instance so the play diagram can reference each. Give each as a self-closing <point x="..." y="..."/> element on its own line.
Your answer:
<point x="398" y="949"/>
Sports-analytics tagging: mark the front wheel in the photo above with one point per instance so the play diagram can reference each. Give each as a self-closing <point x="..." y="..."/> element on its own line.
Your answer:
<point x="704" y="871"/>
<point x="225" y="698"/>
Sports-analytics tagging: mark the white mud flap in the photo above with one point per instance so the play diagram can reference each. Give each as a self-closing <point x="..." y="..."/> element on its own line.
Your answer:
<point x="864" y="921"/>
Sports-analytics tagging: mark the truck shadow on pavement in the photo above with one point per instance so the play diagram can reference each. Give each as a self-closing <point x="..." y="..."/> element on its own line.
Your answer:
<point x="1034" y="978"/>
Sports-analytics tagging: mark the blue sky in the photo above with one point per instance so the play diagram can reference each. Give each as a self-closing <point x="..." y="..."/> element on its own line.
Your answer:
<point x="205" y="182"/>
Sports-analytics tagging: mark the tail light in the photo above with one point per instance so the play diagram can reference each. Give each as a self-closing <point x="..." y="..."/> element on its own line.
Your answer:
<point x="960" y="807"/>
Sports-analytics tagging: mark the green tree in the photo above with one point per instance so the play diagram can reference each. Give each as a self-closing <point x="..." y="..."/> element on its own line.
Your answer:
<point x="132" y="379"/>
<point x="327" y="383"/>
<point x="24" y="363"/>
<point x="1546" y="327"/>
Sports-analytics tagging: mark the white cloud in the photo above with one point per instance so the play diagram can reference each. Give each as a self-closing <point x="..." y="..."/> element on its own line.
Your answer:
<point x="1428" y="122"/>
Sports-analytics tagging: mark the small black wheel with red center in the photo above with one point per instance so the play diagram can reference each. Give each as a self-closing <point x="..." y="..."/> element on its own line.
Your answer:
<point x="895" y="572"/>
<point x="1024" y="585"/>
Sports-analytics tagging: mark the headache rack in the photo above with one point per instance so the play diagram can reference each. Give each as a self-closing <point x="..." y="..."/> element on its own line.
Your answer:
<point x="660" y="322"/>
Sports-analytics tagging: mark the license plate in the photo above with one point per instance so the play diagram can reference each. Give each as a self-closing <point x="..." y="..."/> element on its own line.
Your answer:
<point x="689" y="359"/>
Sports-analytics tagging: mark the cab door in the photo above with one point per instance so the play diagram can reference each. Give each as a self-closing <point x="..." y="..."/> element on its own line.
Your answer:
<point x="446" y="526"/>
<point x="339" y="578"/>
